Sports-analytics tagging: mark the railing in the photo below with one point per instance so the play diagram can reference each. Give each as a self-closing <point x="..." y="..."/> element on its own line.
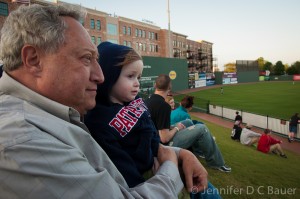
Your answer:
<point x="279" y="126"/>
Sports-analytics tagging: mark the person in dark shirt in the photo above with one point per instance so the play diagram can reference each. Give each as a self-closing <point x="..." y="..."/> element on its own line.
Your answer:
<point x="293" y="127"/>
<point x="238" y="117"/>
<point x="236" y="131"/>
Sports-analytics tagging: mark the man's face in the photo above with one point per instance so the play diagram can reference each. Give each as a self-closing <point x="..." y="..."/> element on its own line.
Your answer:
<point x="70" y="76"/>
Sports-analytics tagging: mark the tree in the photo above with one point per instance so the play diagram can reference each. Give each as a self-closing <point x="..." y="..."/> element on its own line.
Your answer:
<point x="261" y="63"/>
<point x="268" y="66"/>
<point x="294" y="69"/>
<point x="291" y="70"/>
<point x="230" y="68"/>
<point x="297" y="66"/>
<point x="279" y="68"/>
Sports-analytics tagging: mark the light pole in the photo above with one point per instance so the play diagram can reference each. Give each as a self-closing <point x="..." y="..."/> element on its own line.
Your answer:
<point x="169" y="32"/>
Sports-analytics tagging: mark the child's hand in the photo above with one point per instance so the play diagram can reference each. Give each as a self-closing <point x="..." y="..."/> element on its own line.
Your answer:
<point x="180" y="126"/>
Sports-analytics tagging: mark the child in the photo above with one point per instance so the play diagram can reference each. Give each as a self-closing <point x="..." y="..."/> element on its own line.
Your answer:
<point x="170" y="101"/>
<point x="268" y="144"/>
<point x="127" y="132"/>
<point x="121" y="123"/>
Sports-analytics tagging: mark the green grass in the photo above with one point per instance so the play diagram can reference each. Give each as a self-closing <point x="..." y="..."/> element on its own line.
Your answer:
<point x="253" y="170"/>
<point x="276" y="99"/>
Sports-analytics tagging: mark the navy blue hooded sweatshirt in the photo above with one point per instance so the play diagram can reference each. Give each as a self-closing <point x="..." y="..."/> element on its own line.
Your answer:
<point x="125" y="132"/>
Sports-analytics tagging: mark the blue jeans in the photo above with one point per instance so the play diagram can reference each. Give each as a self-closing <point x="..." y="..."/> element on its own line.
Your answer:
<point x="210" y="193"/>
<point x="200" y="139"/>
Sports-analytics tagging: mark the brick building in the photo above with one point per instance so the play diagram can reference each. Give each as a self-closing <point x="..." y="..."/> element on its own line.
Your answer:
<point x="145" y="37"/>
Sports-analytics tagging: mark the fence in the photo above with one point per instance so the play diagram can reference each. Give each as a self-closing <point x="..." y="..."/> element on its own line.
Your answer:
<point x="278" y="126"/>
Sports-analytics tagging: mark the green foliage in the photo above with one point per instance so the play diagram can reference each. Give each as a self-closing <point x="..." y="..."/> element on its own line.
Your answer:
<point x="278" y="68"/>
<point x="296" y="67"/>
<point x="268" y="66"/>
<point x="291" y="70"/>
<point x="276" y="99"/>
<point x="261" y="63"/>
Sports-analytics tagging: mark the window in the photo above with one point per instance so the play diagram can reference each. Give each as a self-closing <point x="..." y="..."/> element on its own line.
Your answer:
<point x="156" y="36"/>
<point x="125" y="43"/>
<point x="149" y="35"/>
<point x="111" y="29"/>
<point x="98" y="25"/>
<point x="124" y="30"/>
<point x="144" y="47"/>
<point x="152" y="35"/>
<point x="113" y="41"/>
<point x="143" y="33"/>
<point x="136" y="32"/>
<point x="3" y="9"/>
<point x="140" y="33"/>
<point x="82" y="21"/>
<point x="93" y="39"/>
<point x="129" y="44"/>
<point x="129" y="30"/>
<point x="99" y="40"/>
<point x="92" y="24"/>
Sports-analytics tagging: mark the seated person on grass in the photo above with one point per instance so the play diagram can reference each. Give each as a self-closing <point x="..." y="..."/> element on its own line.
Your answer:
<point x="249" y="137"/>
<point x="122" y="125"/>
<point x="236" y="131"/>
<point x="181" y="113"/>
<point x="267" y="144"/>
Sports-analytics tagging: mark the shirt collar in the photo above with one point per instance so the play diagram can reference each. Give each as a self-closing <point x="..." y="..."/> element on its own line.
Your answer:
<point x="10" y="86"/>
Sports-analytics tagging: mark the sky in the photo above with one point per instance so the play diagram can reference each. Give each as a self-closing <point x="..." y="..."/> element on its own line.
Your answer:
<point x="238" y="29"/>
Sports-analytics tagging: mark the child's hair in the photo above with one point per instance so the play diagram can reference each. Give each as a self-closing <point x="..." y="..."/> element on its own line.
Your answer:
<point x="129" y="57"/>
<point x="267" y="131"/>
<point x="169" y="98"/>
<point x="187" y="101"/>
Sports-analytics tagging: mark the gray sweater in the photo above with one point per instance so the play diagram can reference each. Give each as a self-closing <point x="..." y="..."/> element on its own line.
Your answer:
<point x="247" y="135"/>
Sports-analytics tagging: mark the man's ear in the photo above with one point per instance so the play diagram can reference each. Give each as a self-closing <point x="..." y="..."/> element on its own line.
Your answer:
<point x="31" y="59"/>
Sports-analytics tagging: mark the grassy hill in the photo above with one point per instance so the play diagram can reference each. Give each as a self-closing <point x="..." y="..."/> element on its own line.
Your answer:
<point x="254" y="174"/>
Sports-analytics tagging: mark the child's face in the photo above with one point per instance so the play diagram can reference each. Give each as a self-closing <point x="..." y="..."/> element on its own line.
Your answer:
<point x="127" y="86"/>
<point x="172" y="103"/>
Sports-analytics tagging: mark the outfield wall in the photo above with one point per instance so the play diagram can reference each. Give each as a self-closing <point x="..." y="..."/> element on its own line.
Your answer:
<point x="247" y="76"/>
<point x="175" y="68"/>
<point x="279" y="126"/>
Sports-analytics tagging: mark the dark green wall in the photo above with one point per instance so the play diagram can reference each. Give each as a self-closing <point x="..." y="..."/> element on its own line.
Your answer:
<point x="154" y="66"/>
<point x="281" y="78"/>
<point x="248" y="76"/>
<point x="218" y="78"/>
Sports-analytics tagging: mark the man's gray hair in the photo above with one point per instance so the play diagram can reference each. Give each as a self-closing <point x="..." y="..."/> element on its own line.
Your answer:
<point x="36" y="25"/>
